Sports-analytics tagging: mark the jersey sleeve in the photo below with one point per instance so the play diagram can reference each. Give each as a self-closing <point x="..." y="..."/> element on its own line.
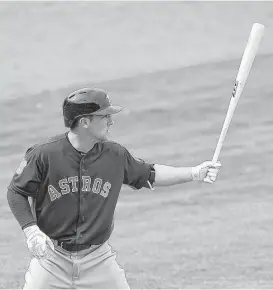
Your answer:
<point x="137" y="173"/>
<point x="28" y="175"/>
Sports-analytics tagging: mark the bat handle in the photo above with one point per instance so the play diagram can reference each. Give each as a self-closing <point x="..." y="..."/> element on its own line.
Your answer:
<point x="216" y="154"/>
<point x="223" y="132"/>
<point x="219" y="145"/>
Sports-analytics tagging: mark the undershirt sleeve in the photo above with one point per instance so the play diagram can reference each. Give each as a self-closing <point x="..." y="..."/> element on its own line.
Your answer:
<point x="20" y="208"/>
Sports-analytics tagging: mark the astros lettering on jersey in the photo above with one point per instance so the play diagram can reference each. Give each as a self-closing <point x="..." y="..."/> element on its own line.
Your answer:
<point x="66" y="177"/>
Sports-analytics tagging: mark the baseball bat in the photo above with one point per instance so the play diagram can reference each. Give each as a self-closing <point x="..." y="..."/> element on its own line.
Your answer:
<point x="248" y="57"/>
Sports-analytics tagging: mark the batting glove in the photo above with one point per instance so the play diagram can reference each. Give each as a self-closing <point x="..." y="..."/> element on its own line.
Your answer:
<point x="38" y="242"/>
<point x="206" y="171"/>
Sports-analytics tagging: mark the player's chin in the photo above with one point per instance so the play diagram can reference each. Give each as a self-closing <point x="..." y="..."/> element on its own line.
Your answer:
<point x="105" y="135"/>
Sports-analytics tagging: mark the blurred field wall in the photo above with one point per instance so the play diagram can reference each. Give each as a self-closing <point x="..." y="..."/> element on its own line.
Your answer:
<point x="49" y="45"/>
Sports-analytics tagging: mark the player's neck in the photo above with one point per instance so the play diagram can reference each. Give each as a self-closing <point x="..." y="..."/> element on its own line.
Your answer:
<point x="81" y="142"/>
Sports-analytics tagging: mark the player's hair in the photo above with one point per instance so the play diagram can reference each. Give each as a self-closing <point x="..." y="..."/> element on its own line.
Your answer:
<point x="75" y="124"/>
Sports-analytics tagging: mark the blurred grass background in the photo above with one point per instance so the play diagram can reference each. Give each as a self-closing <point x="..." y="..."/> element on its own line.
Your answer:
<point x="172" y="66"/>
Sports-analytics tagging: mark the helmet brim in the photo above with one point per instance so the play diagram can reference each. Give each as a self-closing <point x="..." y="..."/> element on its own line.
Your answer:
<point x="108" y="111"/>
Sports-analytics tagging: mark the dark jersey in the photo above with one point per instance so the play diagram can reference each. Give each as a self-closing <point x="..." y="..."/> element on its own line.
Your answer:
<point x="75" y="195"/>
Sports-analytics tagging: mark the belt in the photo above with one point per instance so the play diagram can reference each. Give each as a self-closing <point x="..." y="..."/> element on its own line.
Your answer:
<point x="73" y="247"/>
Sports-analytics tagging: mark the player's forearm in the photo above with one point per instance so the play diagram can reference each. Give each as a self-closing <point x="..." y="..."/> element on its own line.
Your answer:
<point x="20" y="208"/>
<point x="168" y="175"/>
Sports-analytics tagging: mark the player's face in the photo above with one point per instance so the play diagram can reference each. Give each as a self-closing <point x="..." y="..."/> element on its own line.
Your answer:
<point x="99" y="126"/>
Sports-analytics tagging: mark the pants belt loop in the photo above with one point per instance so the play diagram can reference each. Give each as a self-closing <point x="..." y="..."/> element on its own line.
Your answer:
<point x="76" y="271"/>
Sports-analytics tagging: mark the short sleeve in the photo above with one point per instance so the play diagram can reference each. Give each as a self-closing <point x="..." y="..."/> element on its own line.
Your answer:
<point x="137" y="172"/>
<point x="28" y="175"/>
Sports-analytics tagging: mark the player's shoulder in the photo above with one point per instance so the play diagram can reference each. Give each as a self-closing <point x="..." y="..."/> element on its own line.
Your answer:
<point x="115" y="147"/>
<point x="47" y="144"/>
<point x="118" y="149"/>
<point x="121" y="151"/>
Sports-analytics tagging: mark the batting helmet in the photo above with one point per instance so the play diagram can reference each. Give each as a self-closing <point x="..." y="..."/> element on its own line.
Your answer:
<point x="85" y="102"/>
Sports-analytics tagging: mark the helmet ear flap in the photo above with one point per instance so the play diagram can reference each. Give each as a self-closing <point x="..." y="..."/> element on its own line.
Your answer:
<point x="73" y="111"/>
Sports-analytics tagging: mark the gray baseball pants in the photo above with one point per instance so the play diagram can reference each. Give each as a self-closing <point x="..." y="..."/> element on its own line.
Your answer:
<point x="94" y="268"/>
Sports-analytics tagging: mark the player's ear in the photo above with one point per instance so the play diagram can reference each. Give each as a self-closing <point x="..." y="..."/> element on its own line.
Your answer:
<point x="84" y="122"/>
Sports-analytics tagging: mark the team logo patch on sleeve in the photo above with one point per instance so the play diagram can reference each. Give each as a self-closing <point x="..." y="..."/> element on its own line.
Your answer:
<point x="21" y="166"/>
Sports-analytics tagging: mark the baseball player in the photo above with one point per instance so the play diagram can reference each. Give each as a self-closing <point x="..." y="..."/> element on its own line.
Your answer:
<point x="65" y="190"/>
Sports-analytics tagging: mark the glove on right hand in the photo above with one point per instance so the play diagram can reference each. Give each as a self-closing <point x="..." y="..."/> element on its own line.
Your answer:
<point x="38" y="242"/>
<point x="206" y="171"/>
